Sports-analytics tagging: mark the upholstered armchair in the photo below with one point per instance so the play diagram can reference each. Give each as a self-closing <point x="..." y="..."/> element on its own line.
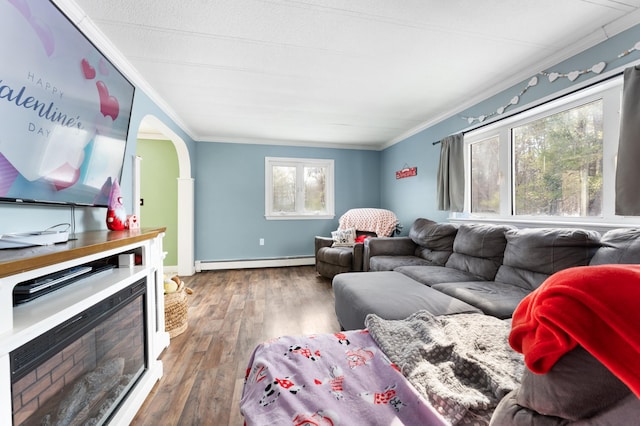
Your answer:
<point x="333" y="259"/>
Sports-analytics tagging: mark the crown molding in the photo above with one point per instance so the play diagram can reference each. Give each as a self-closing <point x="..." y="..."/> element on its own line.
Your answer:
<point x="604" y="33"/>
<point x="108" y="49"/>
<point x="280" y="142"/>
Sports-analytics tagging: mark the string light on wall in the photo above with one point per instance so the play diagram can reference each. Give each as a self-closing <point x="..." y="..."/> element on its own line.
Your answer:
<point x="551" y="76"/>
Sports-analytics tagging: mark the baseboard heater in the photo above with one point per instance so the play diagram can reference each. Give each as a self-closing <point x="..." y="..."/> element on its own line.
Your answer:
<point x="211" y="265"/>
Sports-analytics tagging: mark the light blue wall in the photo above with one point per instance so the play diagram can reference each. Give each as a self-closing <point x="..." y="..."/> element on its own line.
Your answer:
<point x="26" y="218"/>
<point x="416" y="197"/>
<point x="229" y="178"/>
<point x="229" y="196"/>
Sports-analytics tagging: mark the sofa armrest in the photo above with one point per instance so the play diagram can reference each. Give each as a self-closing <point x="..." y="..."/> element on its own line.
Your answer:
<point x="358" y="256"/>
<point x="386" y="246"/>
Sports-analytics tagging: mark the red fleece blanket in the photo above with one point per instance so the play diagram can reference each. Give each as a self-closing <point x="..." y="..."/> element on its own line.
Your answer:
<point x="597" y="307"/>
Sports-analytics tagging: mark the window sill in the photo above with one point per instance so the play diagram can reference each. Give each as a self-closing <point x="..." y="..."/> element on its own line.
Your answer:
<point x="299" y="216"/>
<point x="549" y="223"/>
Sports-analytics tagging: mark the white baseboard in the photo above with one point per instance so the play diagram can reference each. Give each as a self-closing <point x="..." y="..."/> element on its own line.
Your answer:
<point x="246" y="264"/>
<point x="170" y="269"/>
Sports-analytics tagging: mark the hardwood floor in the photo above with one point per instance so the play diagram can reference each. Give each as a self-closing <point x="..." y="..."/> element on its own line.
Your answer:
<point x="230" y="312"/>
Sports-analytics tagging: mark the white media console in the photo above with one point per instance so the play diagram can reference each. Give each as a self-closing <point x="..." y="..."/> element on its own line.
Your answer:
<point x="22" y="323"/>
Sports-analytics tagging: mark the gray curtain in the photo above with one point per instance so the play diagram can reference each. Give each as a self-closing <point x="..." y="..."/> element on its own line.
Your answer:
<point x="628" y="168"/>
<point x="451" y="174"/>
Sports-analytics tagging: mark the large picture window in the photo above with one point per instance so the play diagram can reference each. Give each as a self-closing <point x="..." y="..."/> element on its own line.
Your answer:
<point x="298" y="188"/>
<point x="550" y="163"/>
<point x="558" y="163"/>
<point x="485" y="185"/>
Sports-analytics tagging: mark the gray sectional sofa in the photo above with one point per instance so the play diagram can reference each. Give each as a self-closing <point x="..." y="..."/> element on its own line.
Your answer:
<point x="484" y="268"/>
<point x="448" y="269"/>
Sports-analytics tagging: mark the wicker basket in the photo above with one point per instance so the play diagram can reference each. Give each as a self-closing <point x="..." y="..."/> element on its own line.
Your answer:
<point x="175" y="311"/>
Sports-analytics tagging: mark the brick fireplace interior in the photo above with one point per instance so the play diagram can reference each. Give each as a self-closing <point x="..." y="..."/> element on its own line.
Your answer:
<point x="80" y="371"/>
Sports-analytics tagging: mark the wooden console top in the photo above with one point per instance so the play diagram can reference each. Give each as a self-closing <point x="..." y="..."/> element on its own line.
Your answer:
<point x="14" y="261"/>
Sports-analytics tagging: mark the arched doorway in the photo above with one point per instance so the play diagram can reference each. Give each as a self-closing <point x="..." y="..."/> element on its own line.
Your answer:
<point x="186" y="262"/>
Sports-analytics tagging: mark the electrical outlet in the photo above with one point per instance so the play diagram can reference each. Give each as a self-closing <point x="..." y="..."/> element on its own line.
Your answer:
<point x="261" y="241"/>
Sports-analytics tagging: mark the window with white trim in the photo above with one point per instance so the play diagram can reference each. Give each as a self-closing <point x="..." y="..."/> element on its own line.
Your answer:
<point x="299" y="188"/>
<point x="552" y="163"/>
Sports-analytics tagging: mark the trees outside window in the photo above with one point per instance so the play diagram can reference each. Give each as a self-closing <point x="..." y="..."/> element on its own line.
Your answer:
<point x="558" y="163"/>
<point x="298" y="188"/>
<point x="485" y="176"/>
<point x="556" y="160"/>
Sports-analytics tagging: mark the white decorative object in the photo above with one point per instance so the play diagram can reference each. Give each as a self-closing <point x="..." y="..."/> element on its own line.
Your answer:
<point x="551" y="76"/>
<point x="599" y="67"/>
<point x="573" y="75"/>
<point x="344" y="237"/>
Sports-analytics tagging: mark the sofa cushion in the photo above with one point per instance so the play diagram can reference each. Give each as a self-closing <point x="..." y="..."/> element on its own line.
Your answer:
<point x="618" y="246"/>
<point x="508" y="412"/>
<point x="533" y="254"/>
<point x="389" y="263"/>
<point x="549" y="250"/>
<point x="434" y="241"/>
<point x="494" y="298"/>
<point x="418" y="227"/>
<point x="433" y="235"/>
<point x="522" y="278"/>
<point x="430" y="274"/>
<point x="433" y="257"/>
<point x="577" y="387"/>
<point x="478" y="249"/>
<point x="360" y="294"/>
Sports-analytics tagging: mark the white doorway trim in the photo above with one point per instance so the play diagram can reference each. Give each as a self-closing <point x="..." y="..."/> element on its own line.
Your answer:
<point x="186" y="243"/>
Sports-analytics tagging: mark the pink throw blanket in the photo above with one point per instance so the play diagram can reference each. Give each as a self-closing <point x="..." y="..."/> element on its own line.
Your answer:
<point x="382" y="222"/>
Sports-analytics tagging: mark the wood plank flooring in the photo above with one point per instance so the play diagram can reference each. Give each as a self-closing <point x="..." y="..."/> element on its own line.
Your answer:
<point x="230" y="312"/>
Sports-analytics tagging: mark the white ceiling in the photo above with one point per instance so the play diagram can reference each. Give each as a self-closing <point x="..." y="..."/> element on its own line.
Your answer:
<point x="359" y="73"/>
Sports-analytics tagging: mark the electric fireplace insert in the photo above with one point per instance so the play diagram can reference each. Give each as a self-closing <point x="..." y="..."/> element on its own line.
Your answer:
<point x="80" y="371"/>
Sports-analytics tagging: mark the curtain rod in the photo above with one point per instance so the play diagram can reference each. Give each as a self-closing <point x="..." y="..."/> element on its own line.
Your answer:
<point x="438" y="142"/>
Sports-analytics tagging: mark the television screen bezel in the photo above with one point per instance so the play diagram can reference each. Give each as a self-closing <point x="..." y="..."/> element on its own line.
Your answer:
<point x="29" y="201"/>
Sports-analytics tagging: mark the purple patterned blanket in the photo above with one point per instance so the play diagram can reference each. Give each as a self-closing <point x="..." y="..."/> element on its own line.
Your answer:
<point x="329" y="379"/>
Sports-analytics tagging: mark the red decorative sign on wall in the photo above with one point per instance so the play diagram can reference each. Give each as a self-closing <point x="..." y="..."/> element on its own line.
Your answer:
<point x="406" y="172"/>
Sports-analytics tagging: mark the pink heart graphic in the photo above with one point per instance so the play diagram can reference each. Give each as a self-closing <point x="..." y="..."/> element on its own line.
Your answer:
<point x="88" y="71"/>
<point x="109" y="105"/>
<point x="64" y="176"/>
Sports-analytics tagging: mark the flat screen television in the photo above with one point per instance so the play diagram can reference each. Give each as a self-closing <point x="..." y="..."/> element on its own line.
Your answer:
<point x="64" y="109"/>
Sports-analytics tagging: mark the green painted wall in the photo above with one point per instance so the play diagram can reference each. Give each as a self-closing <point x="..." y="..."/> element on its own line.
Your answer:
<point x="159" y="190"/>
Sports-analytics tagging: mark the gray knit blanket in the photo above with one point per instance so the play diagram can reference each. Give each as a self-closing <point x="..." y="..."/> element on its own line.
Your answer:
<point x="462" y="364"/>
